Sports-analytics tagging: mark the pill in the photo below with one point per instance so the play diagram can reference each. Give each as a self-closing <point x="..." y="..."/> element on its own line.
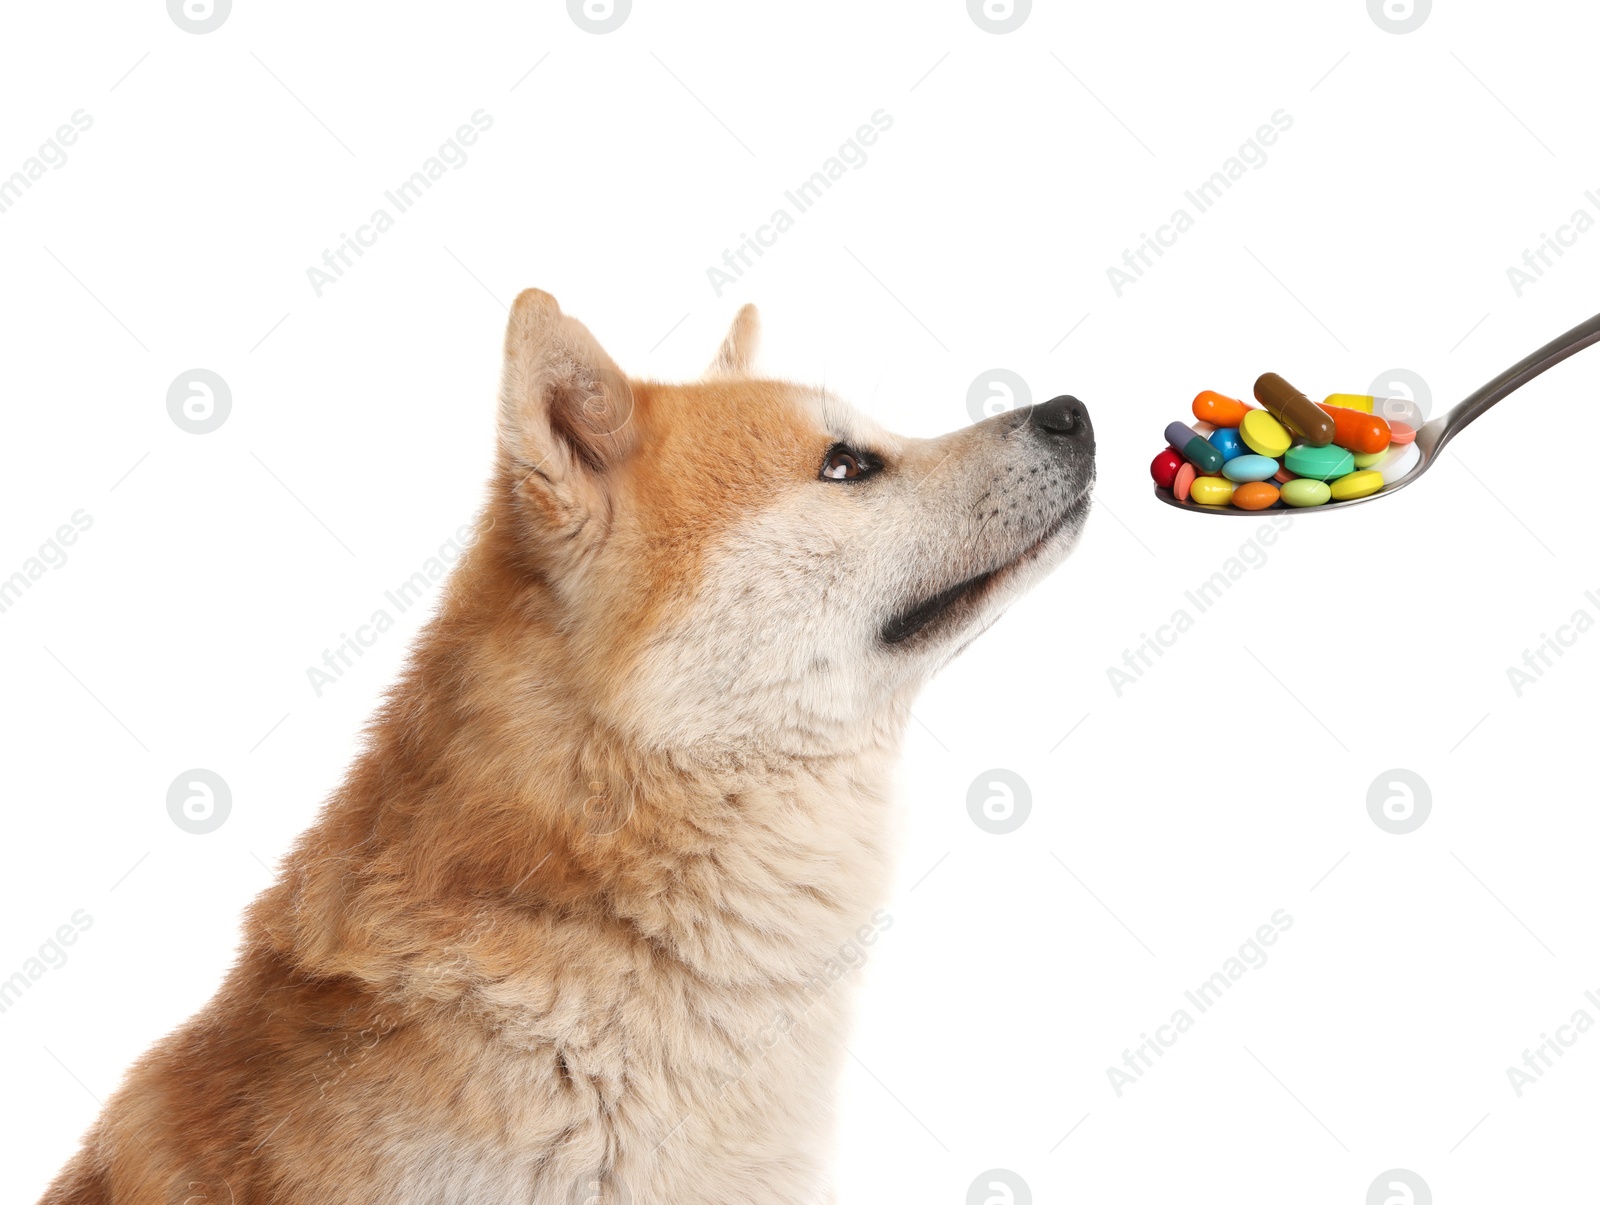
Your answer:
<point x="1249" y="468"/>
<point x="1184" y="439"/>
<point x="1365" y="460"/>
<point x="1400" y="460"/>
<point x="1294" y="409"/>
<point x="1356" y="431"/>
<point x="1204" y="430"/>
<point x="1164" y="468"/>
<point x="1323" y="463"/>
<point x="1255" y="495"/>
<point x="1226" y="440"/>
<point x="1398" y="409"/>
<point x="1402" y="432"/>
<point x="1303" y="491"/>
<point x="1350" y="401"/>
<point x="1356" y="485"/>
<point x="1283" y="475"/>
<point x="1211" y="491"/>
<point x="1387" y="408"/>
<point x="1182" y="482"/>
<point x="1219" y="408"/>
<point x="1263" y="434"/>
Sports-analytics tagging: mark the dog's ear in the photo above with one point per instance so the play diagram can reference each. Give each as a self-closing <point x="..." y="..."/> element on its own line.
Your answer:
<point x="738" y="351"/>
<point x="566" y="409"/>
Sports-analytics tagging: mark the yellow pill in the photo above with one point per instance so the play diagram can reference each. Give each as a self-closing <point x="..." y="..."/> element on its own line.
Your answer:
<point x="1365" y="460"/>
<point x="1350" y="401"/>
<point x="1263" y="434"/>
<point x="1217" y="491"/>
<point x="1303" y="491"/>
<point x="1356" y="485"/>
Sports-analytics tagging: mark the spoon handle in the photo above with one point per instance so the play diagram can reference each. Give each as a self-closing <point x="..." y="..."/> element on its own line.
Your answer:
<point x="1518" y="375"/>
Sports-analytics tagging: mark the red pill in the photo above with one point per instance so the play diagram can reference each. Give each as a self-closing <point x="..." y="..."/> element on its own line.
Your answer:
<point x="1355" y="431"/>
<point x="1255" y="495"/>
<point x="1219" y="409"/>
<point x="1283" y="476"/>
<point x="1402" y="433"/>
<point x="1164" y="468"/>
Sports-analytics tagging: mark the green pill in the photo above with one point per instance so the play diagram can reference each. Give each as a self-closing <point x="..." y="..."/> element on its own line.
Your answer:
<point x="1304" y="491"/>
<point x="1322" y="464"/>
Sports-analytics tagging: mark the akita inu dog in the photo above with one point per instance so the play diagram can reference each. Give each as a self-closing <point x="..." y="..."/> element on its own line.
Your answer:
<point x="569" y="931"/>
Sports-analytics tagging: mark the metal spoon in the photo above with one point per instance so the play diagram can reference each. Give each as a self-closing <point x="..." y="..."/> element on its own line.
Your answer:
<point x="1435" y="433"/>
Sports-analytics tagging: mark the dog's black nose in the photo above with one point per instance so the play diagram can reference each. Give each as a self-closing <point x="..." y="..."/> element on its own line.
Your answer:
<point x="1063" y="417"/>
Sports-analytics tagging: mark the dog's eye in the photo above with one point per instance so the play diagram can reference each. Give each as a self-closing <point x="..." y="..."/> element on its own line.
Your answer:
<point x="844" y="463"/>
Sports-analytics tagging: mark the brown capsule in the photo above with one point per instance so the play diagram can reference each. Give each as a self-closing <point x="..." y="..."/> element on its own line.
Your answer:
<point x="1294" y="410"/>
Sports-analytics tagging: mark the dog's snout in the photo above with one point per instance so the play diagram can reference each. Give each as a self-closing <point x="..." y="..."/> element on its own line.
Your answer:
<point x="1064" y="417"/>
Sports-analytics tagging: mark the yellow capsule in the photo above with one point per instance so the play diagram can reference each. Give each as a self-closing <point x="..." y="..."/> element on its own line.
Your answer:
<point x="1216" y="491"/>
<point x="1356" y="485"/>
<point x="1350" y="401"/>
<point x="1365" y="460"/>
<point x="1263" y="434"/>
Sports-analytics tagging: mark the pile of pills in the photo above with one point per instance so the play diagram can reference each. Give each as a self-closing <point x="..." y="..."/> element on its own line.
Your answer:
<point x="1292" y="450"/>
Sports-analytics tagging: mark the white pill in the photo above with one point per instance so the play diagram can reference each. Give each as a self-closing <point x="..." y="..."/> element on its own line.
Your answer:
<point x="1398" y="461"/>
<point x="1398" y="409"/>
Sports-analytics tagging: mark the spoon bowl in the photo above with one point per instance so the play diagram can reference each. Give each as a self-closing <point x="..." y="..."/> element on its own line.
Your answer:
<point x="1435" y="433"/>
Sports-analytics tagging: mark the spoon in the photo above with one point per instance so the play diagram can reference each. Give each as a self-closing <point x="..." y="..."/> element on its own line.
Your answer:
<point x="1435" y="433"/>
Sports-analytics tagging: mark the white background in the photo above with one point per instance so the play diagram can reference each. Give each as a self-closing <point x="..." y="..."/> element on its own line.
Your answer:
<point x="1227" y="782"/>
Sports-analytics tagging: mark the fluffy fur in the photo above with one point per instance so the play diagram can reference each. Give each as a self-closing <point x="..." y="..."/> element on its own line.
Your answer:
<point x="579" y="925"/>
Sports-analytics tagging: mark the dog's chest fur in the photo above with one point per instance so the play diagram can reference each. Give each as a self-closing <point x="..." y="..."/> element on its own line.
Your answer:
<point x="682" y="1043"/>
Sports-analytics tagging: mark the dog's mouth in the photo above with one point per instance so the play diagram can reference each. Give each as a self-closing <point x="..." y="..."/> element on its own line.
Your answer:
<point x="951" y="607"/>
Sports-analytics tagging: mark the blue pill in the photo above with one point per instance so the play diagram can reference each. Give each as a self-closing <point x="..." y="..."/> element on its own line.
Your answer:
<point x="1250" y="468"/>
<point x="1226" y="440"/>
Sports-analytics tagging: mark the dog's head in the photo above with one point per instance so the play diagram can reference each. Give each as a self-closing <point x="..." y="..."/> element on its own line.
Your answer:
<point x="747" y="562"/>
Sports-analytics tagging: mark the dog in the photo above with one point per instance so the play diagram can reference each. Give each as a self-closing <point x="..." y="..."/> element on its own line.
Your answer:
<point x="579" y="925"/>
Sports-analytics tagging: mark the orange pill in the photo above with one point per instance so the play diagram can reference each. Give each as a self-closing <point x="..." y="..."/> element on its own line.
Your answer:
<point x="1255" y="495"/>
<point x="1219" y="409"/>
<point x="1355" y="431"/>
